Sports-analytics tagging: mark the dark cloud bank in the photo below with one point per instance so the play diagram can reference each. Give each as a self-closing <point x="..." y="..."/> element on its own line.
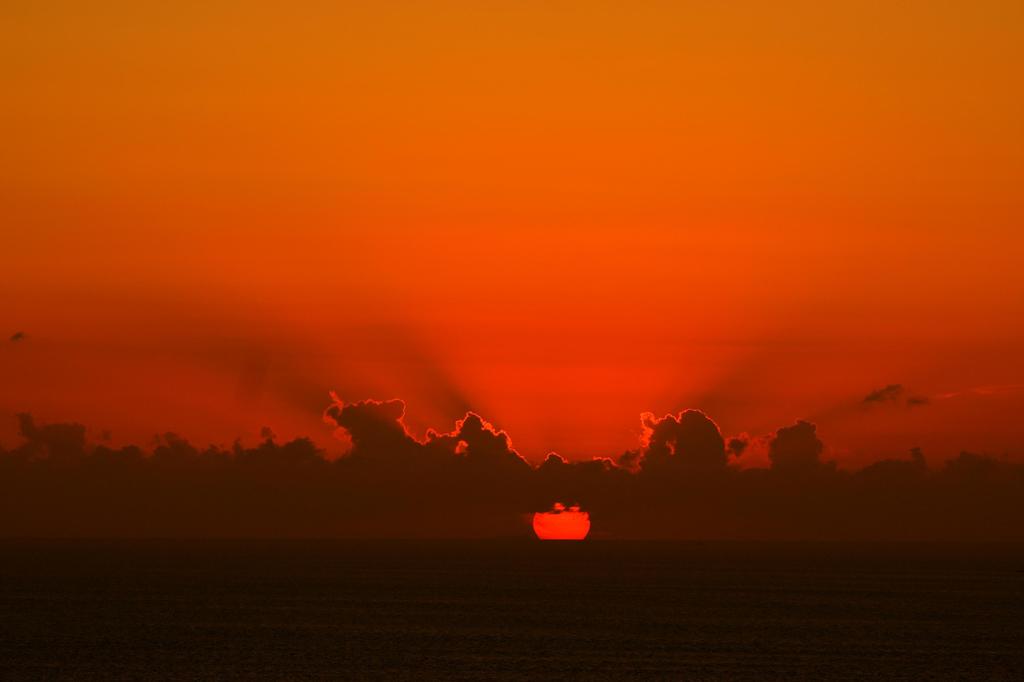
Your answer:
<point x="470" y="482"/>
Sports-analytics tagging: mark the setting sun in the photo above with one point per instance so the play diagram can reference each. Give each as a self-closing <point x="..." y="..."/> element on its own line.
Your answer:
<point x="562" y="523"/>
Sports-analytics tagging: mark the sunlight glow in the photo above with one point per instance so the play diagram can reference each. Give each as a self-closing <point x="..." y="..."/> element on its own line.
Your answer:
<point x="562" y="523"/>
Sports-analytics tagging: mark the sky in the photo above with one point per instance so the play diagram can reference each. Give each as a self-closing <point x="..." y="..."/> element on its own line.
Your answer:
<point x="559" y="215"/>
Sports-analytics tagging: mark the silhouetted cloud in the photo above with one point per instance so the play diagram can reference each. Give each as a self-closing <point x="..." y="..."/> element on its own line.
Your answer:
<point x="470" y="481"/>
<point x="688" y="440"/>
<point x="796" y="448"/>
<point x="735" y="446"/>
<point x="18" y="336"/>
<point x="894" y="394"/>
<point x="374" y="426"/>
<point x="890" y="393"/>
<point x="56" y="441"/>
<point x="749" y="452"/>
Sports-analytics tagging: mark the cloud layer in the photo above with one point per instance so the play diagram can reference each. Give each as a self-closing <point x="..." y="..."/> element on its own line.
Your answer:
<point x="682" y="481"/>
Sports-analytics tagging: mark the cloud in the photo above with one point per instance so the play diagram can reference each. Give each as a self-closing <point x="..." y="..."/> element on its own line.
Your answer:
<point x="796" y="448"/>
<point x="471" y="482"/>
<point x="890" y="393"/>
<point x="689" y="440"/>
<point x="375" y="426"/>
<point x="476" y="440"/>
<point x="749" y="452"/>
<point x="737" y="445"/>
<point x="18" y="336"/>
<point x="894" y="394"/>
<point x="53" y="441"/>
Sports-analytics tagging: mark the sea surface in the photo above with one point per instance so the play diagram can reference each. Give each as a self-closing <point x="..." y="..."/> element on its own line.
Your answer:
<point x="475" y="610"/>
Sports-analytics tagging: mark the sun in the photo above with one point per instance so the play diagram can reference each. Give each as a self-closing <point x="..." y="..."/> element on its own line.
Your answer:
<point x="561" y="523"/>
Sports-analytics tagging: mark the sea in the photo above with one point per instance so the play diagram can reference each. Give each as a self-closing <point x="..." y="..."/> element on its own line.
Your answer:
<point x="509" y="610"/>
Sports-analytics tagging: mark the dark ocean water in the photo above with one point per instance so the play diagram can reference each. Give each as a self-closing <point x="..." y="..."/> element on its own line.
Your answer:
<point x="509" y="610"/>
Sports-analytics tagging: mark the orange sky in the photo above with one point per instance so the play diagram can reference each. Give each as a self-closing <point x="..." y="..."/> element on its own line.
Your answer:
<point x="557" y="214"/>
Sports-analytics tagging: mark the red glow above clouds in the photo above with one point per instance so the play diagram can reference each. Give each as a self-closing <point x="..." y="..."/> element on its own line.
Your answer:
<point x="765" y="229"/>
